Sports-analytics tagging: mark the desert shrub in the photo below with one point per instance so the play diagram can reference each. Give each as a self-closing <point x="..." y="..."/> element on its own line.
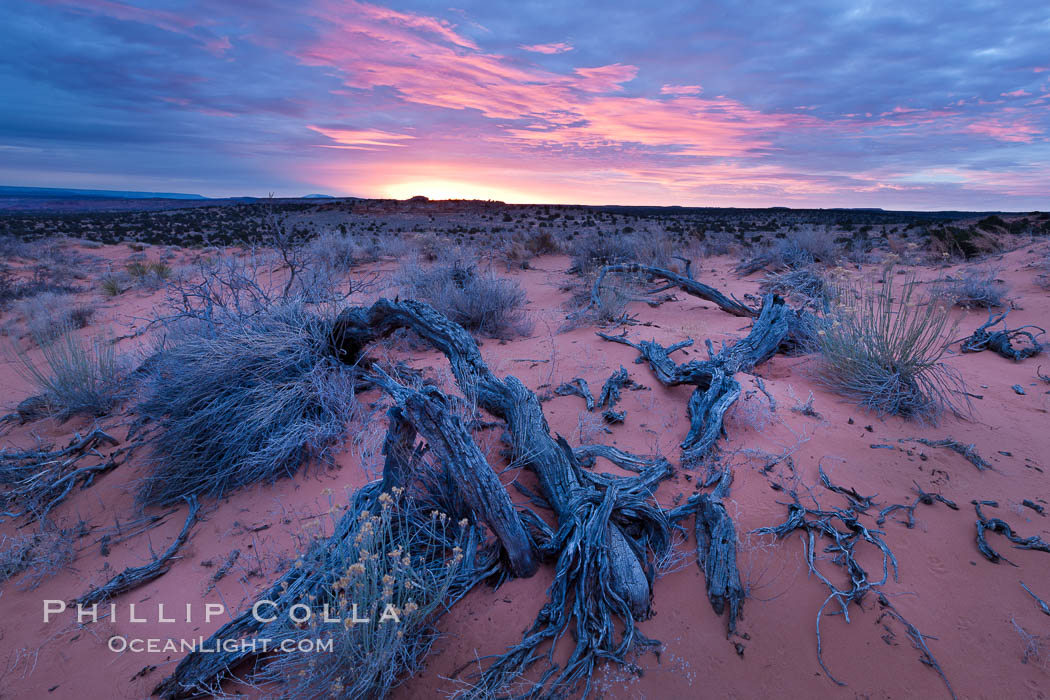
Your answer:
<point x="591" y="253"/>
<point x="338" y="251"/>
<point x="244" y="402"/>
<point x="480" y="302"/>
<point x="395" y="556"/>
<point x="542" y="243"/>
<point x="805" y="285"/>
<point x="975" y="288"/>
<point x="882" y="346"/>
<point x="717" y="242"/>
<point x="77" y="376"/>
<point x="39" y="555"/>
<point x="148" y="275"/>
<point x="799" y="250"/>
<point x="46" y="315"/>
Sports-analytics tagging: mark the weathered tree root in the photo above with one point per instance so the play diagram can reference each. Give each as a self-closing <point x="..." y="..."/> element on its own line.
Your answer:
<point x="577" y="387"/>
<point x="619" y="380"/>
<point x="716" y="552"/>
<point x="967" y="451"/>
<point x="1039" y="601"/>
<point x="923" y="498"/>
<point x="508" y="399"/>
<point x="716" y="387"/>
<point x="135" y="576"/>
<point x="685" y="283"/>
<point x="1001" y="341"/>
<point x="820" y="522"/>
<point x="37" y="481"/>
<point x="996" y="525"/>
<point x="429" y="413"/>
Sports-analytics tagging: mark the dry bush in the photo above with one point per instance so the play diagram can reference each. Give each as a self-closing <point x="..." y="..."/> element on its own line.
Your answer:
<point x="975" y="288"/>
<point x="77" y="376"/>
<point x="399" y="557"/>
<point x="805" y="285"/>
<point x="593" y="252"/>
<point x="46" y="315"/>
<point x="480" y="302"/>
<point x="542" y="243"/>
<point x="37" y="556"/>
<point x="882" y="347"/>
<point x="243" y="402"/>
<point x="148" y="275"/>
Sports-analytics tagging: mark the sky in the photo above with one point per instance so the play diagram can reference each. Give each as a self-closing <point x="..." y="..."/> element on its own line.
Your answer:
<point x="900" y="105"/>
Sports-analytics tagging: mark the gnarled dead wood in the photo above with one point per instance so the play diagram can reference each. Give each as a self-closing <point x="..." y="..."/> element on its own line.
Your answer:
<point x="673" y="279"/>
<point x="135" y="576"/>
<point x="997" y="525"/>
<point x="508" y="399"/>
<point x="967" y="451"/>
<point x="716" y="387"/>
<point x="577" y="387"/>
<point x="1001" y="341"/>
<point x="429" y="413"/>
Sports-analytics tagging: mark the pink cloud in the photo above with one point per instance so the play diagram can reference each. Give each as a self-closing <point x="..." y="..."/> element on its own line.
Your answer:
<point x="1015" y="93"/>
<point x="1013" y="131"/>
<point x="681" y="90"/>
<point x="559" y="47"/>
<point x="364" y="139"/>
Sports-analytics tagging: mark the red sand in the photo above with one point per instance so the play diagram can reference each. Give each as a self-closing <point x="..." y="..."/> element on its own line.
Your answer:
<point x="946" y="588"/>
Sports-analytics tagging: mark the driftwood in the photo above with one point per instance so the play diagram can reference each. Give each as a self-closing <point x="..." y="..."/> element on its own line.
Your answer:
<point x="997" y="525"/>
<point x="1001" y="341"/>
<point x="135" y="576"/>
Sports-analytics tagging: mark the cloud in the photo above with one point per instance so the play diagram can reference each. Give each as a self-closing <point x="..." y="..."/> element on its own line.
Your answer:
<point x="727" y="107"/>
<point x="681" y="90"/>
<point x="361" y="138"/>
<point x="559" y="47"/>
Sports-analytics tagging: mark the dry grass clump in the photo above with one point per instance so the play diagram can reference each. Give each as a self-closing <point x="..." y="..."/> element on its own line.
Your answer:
<point x="480" y="302"/>
<point x="799" y="250"/>
<point x="399" y="570"/>
<point x="804" y="285"/>
<point x="76" y="376"/>
<point x="48" y="313"/>
<point x="341" y="252"/>
<point x="882" y="346"/>
<point x="975" y="288"/>
<point x="38" y="556"/>
<point x="149" y="275"/>
<point x="244" y="402"/>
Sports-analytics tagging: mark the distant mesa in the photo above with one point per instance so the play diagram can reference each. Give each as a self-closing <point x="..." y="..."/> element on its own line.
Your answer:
<point x="318" y="196"/>
<point x="60" y="192"/>
<point x="419" y="198"/>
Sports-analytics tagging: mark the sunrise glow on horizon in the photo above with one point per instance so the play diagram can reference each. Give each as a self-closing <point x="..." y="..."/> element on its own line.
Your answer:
<point x="825" y="104"/>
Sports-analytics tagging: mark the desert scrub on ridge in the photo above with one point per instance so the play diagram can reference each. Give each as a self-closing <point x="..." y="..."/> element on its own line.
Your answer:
<point x="244" y="402"/>
<point x="479" y="301"/>
<point x="882" y="346"/>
